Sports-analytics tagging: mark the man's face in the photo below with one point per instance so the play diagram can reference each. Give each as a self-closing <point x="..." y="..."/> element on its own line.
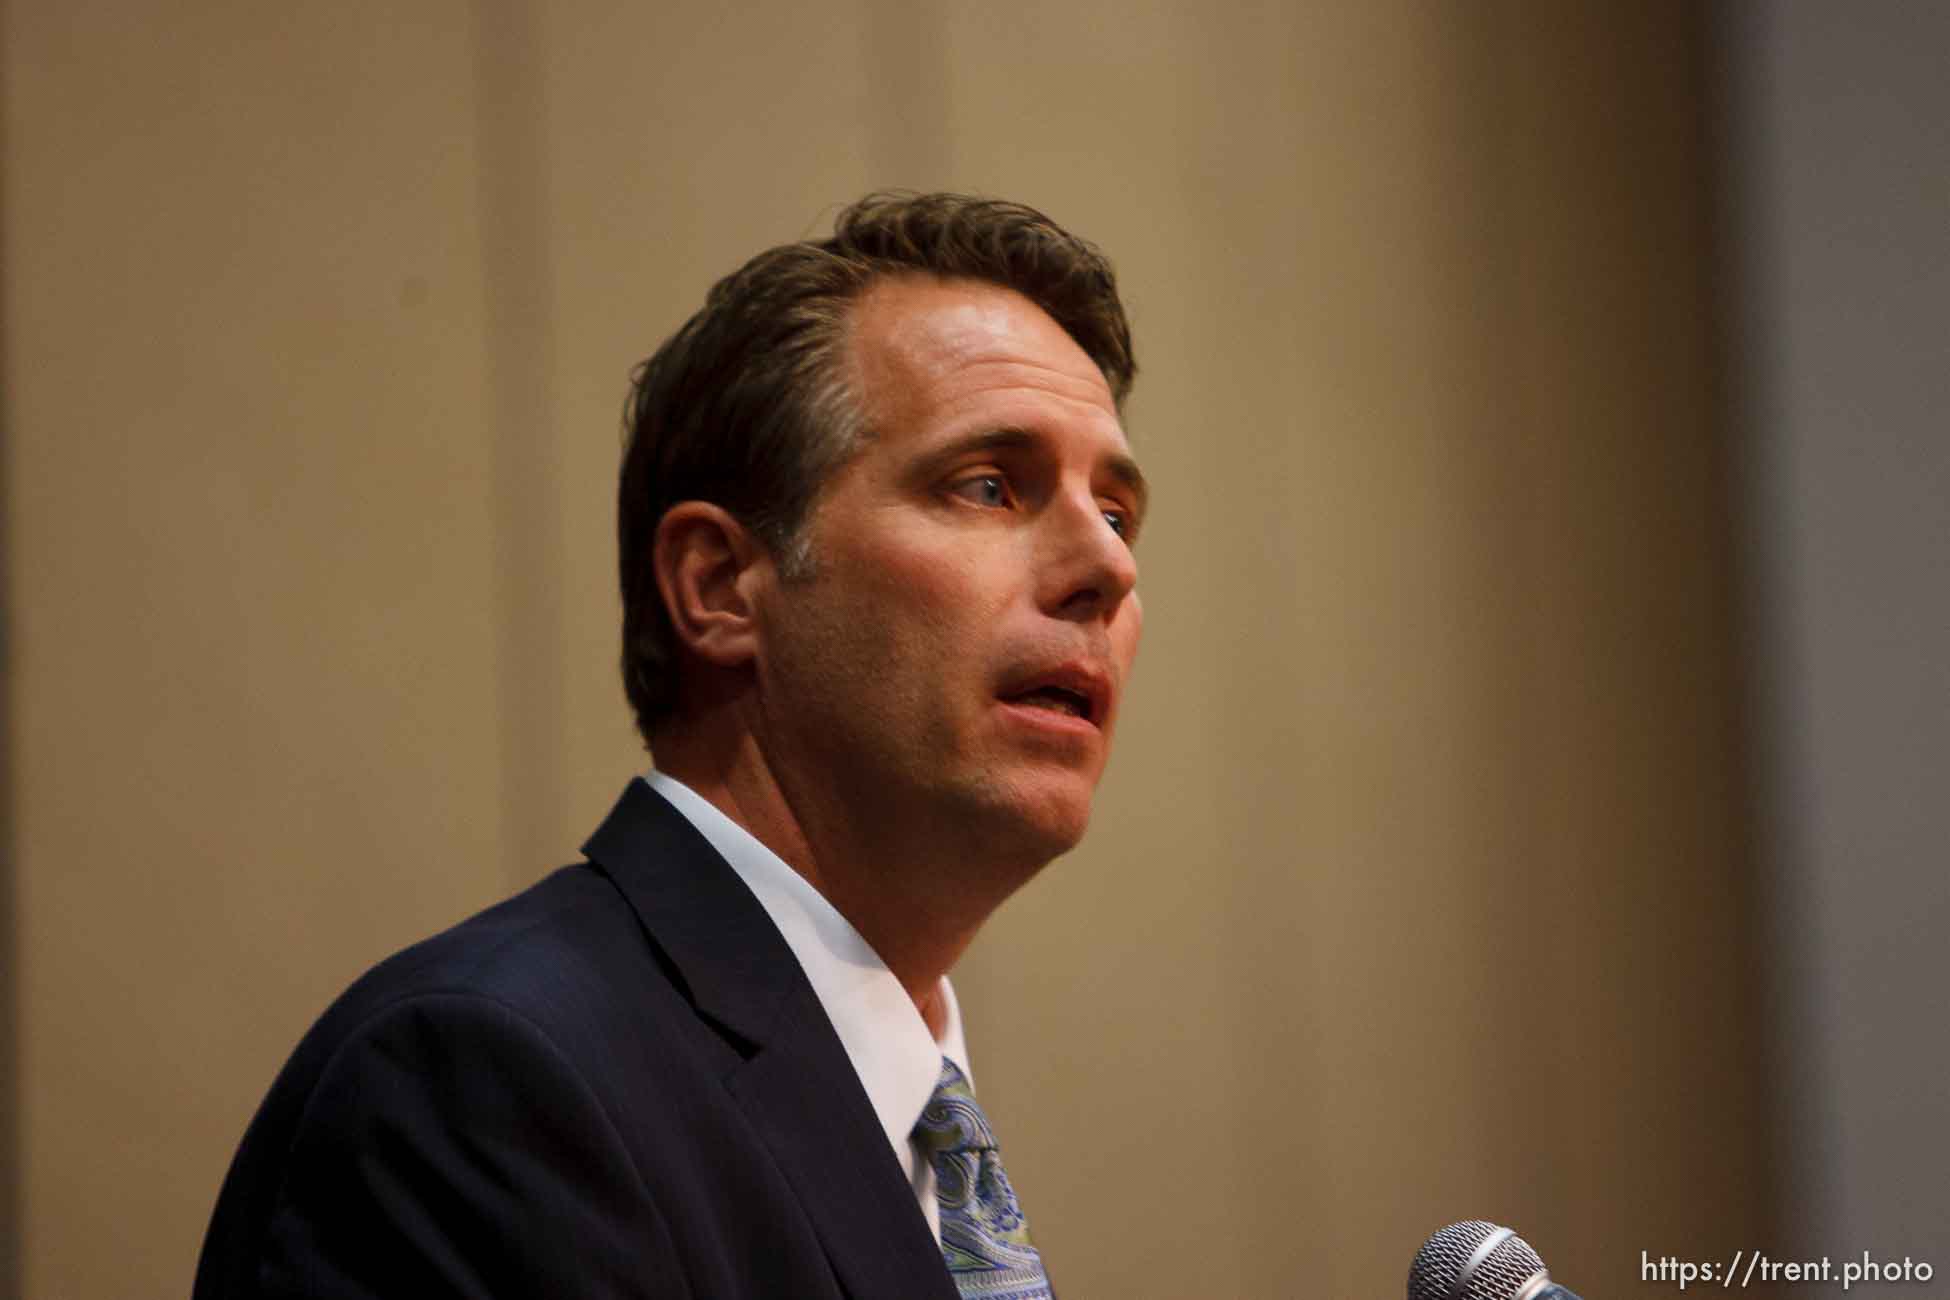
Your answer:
<point x="954" y="662"/>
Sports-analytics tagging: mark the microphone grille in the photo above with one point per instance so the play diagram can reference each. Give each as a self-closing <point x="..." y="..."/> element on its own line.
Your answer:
<point x="1439" y="1265"/>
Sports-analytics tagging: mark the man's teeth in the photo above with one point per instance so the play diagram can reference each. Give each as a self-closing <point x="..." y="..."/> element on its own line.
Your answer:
<point x="1053" y="698"/>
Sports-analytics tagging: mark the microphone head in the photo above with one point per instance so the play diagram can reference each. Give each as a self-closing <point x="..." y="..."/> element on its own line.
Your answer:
<point x="1473" y="1261"/>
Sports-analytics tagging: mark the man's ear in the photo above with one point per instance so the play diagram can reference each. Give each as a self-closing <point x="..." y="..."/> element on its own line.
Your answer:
<point x="708" y="567"/>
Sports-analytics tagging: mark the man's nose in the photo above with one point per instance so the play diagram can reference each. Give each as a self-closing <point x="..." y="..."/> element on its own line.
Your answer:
<point x="1090" y="568"/>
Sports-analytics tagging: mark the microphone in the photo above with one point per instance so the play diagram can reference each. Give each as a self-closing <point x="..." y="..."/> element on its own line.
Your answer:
<point x="1480" y="1261"/>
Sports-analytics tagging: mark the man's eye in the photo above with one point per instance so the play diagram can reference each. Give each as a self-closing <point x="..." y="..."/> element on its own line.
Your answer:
<point x="1122" y="522"/>
<point x="984" y="490"/>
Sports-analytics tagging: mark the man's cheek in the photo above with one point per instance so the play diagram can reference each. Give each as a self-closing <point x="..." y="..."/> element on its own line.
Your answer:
<point x="1130" y="629"/>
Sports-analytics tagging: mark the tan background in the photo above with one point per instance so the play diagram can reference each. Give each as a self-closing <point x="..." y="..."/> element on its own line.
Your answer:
<point x="1419" y="889"/>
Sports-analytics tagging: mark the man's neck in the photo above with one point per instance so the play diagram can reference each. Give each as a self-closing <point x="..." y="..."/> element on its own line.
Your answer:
<point x="893" y="898"/>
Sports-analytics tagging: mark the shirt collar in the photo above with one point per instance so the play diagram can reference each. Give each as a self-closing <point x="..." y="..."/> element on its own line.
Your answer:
<point x="883" y="1034"/>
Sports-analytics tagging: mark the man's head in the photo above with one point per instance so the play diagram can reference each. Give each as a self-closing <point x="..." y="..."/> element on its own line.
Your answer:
<point x="753" y="405"/>
<point x="904" y="661"/>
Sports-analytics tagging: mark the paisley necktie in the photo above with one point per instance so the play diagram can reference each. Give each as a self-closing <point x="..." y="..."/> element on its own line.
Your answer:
<point x="984" y="1237"/>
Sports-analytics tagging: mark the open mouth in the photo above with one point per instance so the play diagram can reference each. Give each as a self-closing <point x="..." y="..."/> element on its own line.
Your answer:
<point x="1057" y="699"/>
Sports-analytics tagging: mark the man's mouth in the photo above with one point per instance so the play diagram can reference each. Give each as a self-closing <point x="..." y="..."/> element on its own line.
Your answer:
<point x="1059" y="699"/>
<point x="1074" y="689"/>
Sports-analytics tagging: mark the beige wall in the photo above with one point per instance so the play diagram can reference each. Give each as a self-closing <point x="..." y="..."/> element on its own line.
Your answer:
<point x="1417" y="890"/>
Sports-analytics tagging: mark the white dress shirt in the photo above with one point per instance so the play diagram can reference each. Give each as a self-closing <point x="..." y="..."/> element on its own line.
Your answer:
<point x="896" y="1057"/>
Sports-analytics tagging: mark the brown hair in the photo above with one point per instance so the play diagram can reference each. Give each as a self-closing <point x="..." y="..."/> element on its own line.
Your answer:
<point x="748" y="406"/>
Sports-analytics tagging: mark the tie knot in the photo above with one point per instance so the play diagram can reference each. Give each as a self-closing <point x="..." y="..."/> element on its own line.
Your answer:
<point x="952" y="1121"/>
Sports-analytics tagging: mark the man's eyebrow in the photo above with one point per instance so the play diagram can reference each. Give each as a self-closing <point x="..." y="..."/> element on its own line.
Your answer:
<point x="1120" y="465"/>
<point x="1125" y="470"/>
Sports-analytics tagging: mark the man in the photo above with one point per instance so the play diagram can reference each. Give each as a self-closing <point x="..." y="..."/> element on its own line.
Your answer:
<point x="876" y="519"/>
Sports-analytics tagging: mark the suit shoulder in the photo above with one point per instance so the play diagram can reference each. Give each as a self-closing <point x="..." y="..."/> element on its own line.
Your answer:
<point x="561" y="955"/>
<point x="569" y="905"/>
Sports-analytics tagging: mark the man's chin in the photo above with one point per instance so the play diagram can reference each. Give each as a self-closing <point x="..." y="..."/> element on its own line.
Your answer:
<point x="1047" y="817"/>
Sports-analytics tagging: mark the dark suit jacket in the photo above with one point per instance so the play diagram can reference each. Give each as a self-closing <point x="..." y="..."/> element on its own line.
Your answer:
<point x="618" y="1083"/>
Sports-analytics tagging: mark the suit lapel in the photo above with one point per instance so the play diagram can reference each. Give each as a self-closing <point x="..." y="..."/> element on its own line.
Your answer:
<point x="837" y="1159"/>
<point x="796" y="1084"/>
